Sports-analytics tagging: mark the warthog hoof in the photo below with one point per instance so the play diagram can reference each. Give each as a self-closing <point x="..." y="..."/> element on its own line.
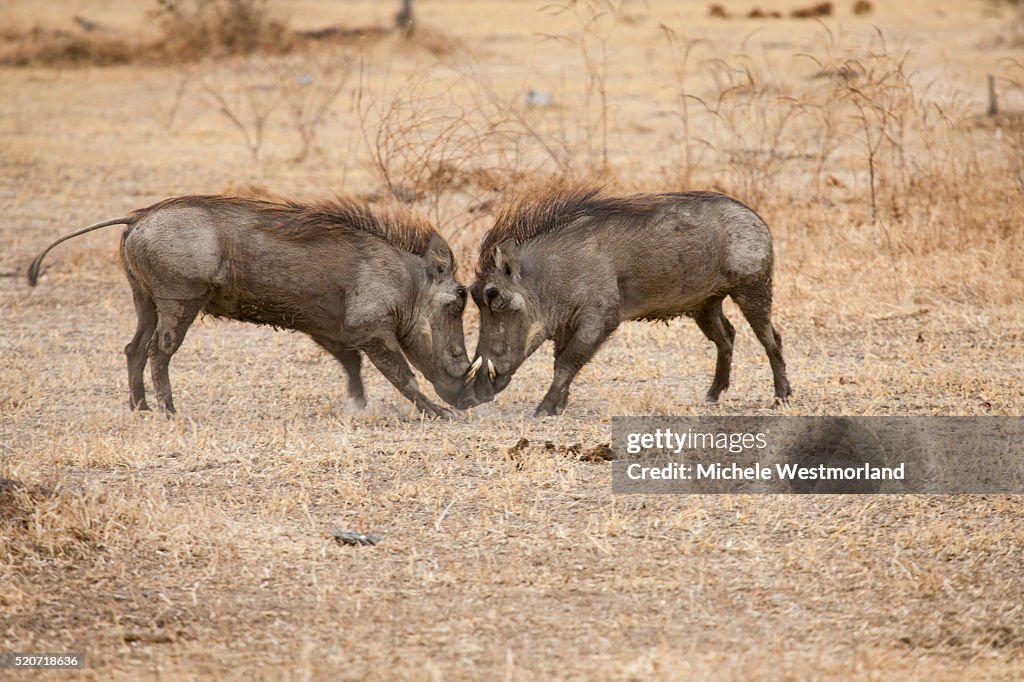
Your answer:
<point x="544" y="410"/>
<point x="436" y="411"/>
<point x="783" y="393"/>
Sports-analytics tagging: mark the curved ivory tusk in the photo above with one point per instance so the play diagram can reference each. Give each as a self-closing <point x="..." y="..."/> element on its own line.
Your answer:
<point x="491" y="372"/>
<point x="473" y="369"/>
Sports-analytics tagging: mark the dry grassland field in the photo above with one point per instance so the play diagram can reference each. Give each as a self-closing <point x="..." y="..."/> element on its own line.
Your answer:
<point x="201" y="547"/>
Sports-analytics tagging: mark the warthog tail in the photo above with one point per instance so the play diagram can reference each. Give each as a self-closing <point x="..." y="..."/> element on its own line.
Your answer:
<point x="33" y="270"/>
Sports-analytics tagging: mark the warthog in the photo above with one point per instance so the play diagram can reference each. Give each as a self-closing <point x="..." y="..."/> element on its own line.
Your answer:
<point x="570" y="264"/>
<point x="354" y="278"/>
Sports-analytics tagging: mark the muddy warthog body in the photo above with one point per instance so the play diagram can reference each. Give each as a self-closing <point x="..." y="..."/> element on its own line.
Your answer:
<point x="354" y="278"/>
<point x="570" y="264"/>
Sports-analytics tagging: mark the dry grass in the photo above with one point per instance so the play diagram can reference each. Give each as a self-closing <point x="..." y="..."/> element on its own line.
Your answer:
<point x="187" y="31"/>
<point x="200" y="547"/>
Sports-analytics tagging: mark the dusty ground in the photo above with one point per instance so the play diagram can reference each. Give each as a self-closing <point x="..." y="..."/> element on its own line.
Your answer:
<point x="200" y="547"/>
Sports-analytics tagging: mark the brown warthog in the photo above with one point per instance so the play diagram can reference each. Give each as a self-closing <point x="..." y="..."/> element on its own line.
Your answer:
<point x="570" y="264"/>
<point x="354" y="278"/>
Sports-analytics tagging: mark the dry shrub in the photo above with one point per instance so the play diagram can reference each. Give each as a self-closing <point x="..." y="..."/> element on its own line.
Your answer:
<point x="755" y="126"/>
<point x="596" y="24"/>
<point x="188" y="30"/>
<point x="310" y="86"/>
<point x="50" y="47"/>
<point x="297" y="91"/>
<point x="862" y="130"/>
<point x="821" y="9"/>
<point x="244" y="95"/>
<point x="862" y="7"/>
<point x="924" y="166"/>
<point x="192" y="29"/>
<point x="447" y="140"/>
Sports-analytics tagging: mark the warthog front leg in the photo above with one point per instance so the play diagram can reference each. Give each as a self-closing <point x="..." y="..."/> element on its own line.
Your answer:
<point x="138" y="348"/>
<point x="570" y="357"/>
<point x="392" y="364"/>
<point x="173" y="320"/>
<point x="352" y="361"/>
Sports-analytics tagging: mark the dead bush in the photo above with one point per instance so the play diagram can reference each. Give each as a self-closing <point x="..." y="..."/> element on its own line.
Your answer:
<point x="50" y="47"/>
<point x="821" y="9"/>
<point x="191" y="29"/>
<point x="862" y="7"/>
<point x="188" y="31"/>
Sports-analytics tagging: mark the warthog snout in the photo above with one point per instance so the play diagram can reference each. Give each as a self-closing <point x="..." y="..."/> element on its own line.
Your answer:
<point x="470" y="396"/>
<point x="481" y="383"/>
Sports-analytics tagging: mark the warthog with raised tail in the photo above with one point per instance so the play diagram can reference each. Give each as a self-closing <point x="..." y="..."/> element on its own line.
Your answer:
<point x="353" y="277"/>
<point x="569" y="264"/>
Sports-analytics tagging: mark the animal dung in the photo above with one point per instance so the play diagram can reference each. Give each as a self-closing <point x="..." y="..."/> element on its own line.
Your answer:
<point x="598" y="453"/>
<point x="521" y="444"/>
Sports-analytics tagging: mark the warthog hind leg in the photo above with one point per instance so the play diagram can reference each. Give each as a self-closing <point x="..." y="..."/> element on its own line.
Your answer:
<point x="173" y="320"/>
<point x="712" y="321"/>
<point x="137" y="349"/>
<point x="756" y="304"/>
<point x="352" y="361"/>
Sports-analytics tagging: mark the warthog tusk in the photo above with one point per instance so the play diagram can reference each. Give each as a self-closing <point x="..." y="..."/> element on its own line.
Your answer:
<point x="491" y="373"/>
<point x="473" y="369"/>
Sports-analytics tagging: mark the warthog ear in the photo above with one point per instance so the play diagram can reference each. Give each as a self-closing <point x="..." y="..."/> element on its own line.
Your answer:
<point x="506" y="258"/>
<point x="438" y="256"/>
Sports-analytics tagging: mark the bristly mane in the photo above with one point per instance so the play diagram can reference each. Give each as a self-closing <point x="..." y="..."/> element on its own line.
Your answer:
<point x="540" y="211"/>
<point x="294" y="221"/>
<point x="399" y="226"/>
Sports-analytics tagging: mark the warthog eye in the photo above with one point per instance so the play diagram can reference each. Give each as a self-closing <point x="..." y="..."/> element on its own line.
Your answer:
<point x="490" y="293"/>
<point x="457" y="301"/>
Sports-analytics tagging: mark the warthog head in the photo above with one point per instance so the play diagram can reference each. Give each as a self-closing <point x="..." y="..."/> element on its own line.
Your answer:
<point x="511" y="326"/>
<point x="434" y="341"/>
